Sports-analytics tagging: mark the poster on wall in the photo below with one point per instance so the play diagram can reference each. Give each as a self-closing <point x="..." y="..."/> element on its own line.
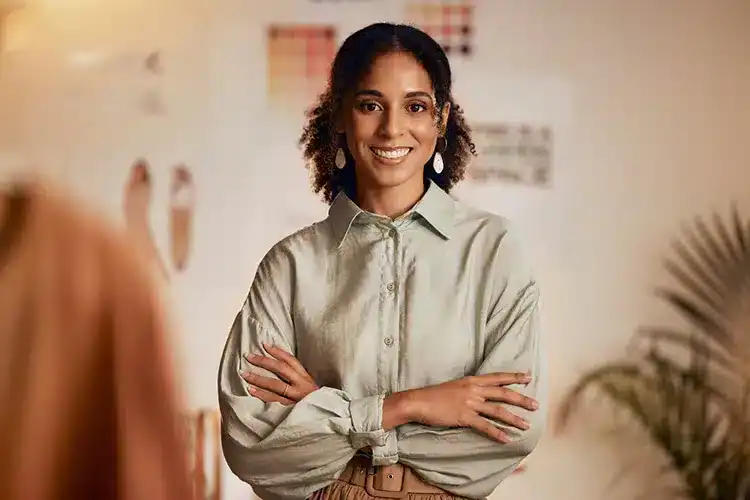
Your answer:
<point x="516" y="153"/>
<point x="299" y="60"/>
<point x="152" y="101"/>
<point x="450" y="23"/>
<point x="181" y="207"/>
<point x="137" y="198"/>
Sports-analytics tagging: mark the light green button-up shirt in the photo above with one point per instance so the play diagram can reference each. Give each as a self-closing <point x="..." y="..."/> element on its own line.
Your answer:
<point x="372" y="306"/>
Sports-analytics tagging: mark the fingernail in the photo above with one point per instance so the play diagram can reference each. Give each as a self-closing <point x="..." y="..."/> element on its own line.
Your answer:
<point x="252" y="357"/>
<point x="251" y="389"/>
<point x="504" y="439"/>
<point x="535" y="405"/>
<point x="527" y="379"/>
<point x="525" y="425"/>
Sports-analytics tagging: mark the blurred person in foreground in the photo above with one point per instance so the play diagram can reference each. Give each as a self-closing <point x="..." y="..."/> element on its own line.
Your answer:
<point x="89" y="403"/>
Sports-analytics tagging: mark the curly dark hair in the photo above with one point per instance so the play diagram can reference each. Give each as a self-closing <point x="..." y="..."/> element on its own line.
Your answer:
<point x="320" y="140"/>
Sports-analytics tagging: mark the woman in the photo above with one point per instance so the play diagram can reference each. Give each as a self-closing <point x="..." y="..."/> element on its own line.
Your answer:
<point x="86" y="385"/>
<point x="391" y="349"/>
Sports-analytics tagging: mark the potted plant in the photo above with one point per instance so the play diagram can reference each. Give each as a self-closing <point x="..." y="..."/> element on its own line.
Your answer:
<point x="687" y="387"/>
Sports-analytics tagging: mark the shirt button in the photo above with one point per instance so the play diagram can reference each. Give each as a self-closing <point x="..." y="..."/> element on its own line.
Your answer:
<point x="391" y="287"/>
<point x="388" y="341"/>
<point x="394" y="232"/>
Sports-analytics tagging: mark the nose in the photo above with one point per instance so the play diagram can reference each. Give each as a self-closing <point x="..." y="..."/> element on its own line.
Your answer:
<point x="392" y="124"/>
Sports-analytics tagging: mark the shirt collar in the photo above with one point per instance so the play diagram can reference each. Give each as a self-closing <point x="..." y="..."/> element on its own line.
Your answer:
<point x="436" y="207"/>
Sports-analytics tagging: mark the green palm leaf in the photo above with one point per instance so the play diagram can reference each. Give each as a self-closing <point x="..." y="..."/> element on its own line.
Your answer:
<point x="688" y="390"/>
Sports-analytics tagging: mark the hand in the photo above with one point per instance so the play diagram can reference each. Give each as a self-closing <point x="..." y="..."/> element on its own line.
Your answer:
<point x="464" y="403"/>
<point x="294" y="382"/>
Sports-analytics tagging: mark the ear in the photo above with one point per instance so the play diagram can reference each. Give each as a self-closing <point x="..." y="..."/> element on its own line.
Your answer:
<point x="444" y="121"/>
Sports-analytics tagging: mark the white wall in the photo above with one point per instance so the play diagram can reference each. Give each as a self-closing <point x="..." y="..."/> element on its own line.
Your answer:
<point x="651" y="118"/>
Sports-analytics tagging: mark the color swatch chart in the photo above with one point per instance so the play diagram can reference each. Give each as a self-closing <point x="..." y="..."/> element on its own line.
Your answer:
<point x="299" y="60"/>
<point x="451" y="24"/>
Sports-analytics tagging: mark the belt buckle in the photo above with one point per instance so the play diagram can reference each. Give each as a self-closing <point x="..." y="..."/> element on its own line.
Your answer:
<point x="372" y="491"/>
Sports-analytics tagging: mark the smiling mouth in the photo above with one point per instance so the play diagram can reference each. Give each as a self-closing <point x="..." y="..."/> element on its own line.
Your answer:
<point x="390" y="153"/>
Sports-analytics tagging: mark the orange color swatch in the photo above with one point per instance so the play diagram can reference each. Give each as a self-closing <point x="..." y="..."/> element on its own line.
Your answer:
<point x="299" y="60"/>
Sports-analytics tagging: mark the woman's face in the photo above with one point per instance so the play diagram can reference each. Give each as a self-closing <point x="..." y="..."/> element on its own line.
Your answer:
<point x="390" y="122"/>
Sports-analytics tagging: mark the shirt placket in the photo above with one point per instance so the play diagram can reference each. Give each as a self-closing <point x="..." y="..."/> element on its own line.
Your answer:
<point x="390" y="303"/>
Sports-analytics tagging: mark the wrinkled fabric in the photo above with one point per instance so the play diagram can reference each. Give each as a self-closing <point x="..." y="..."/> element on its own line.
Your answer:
<point x="372" y="306"/>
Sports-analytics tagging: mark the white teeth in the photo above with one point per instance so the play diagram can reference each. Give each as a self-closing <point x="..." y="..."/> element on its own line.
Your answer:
<point x="391" y="154"/>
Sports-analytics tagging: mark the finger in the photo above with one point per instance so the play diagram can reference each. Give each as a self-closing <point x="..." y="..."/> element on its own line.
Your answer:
<point x="500" y="414"/>
<point x="288" y="358"/>
<point x="279" y="368"/>
<point x="486" y="427"/>
<point x="270" y="384"/>
<point x="505" y="395"/>
<point x="502" y="378"/>
<point x="268" y="396"/>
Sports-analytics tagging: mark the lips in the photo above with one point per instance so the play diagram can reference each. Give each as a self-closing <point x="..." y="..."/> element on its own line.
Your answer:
<point x="390" y="153"/>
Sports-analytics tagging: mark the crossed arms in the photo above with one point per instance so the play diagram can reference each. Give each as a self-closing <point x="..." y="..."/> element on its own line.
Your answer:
<point x="288" y="438"/>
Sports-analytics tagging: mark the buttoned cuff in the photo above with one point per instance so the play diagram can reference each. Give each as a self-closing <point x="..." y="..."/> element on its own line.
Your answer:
<point x="367" y="430"/>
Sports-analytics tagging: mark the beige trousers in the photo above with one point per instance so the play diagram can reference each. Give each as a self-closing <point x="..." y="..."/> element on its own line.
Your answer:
<point x="361" y="481"/>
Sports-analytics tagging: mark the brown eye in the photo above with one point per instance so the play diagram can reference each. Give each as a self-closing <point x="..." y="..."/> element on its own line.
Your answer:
<point x="417" y="107"/>
<point x="368" y="106"/>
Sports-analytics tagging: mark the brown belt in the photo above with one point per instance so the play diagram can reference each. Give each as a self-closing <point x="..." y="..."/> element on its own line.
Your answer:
<point x="386" y="481"/>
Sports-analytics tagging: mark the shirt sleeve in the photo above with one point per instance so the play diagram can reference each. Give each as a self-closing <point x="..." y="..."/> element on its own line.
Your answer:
<point x="286" y="451"/>
<point x="461" y="460"/>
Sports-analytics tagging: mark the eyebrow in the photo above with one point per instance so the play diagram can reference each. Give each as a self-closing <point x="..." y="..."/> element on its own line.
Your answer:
<point x="408" y="95"/>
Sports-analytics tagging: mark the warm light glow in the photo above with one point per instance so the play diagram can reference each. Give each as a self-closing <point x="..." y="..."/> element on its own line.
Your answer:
<point x="8" y="5"/>
<point x="15" y="30"/>
<point x="86" y="59"/>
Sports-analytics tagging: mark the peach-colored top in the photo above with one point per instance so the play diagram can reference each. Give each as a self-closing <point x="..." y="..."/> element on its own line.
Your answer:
<point x="88" y="400"/>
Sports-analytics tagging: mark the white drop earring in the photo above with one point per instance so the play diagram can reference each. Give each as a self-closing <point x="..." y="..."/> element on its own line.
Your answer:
<point x="340" y="159"/>
<point x="437" y="161"/>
